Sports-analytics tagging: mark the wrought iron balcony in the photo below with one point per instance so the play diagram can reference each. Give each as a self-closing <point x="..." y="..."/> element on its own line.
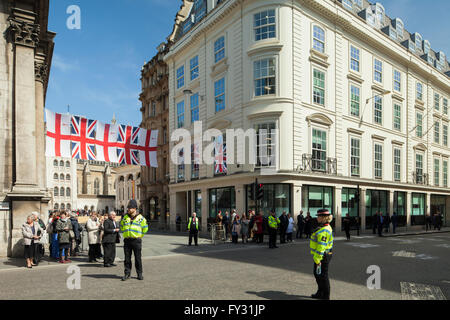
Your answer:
<point x="420" y="178"/>
<point x="313" y="164"/>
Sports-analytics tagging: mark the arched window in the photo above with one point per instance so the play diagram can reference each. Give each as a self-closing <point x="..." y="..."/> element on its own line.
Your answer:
<point x="55" y="164"/>
<point x="97" y="186"/>
<point x="68" y="192"/>
<point x="67" y="164"/>
<point x="56" y="206"/>
<point x="61" y="164"/>
<point x="68" y="177"/>
<point x="61" y="177"/>
<point x="62" y="192"/>
<point x="56" y="191"/>
<point x="319" y="39"/>
<point x="63" y="207"/>
<point x="55" y="176"/>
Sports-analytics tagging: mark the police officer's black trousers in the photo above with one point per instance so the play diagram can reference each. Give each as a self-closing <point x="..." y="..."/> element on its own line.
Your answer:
<point x="132" y="246"/>
<point x="323" y="282"/>
<point x="272" y="237"/>
<point x="193" y="234"/>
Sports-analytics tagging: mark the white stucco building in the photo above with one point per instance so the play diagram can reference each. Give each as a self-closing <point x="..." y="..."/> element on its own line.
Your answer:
<point x="359" y="102"/>
<point x="62" y="183"/>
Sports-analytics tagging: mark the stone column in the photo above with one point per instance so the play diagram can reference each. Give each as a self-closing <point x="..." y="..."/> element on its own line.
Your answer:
<point x="205" y="210"/>
<point x="40" y="68"/>
<point x="408" y="208"/>
<point x="296" y="200"/>
<point x="428" y="204"/>
<point x="337" y="208"/>
<point x="240" y="198"/>
<point x="391" y="202"/>
<point x="362" y="209"/>
<point x="173" y="210"/>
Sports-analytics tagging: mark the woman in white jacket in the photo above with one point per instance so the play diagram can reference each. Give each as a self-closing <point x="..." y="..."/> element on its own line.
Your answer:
<point x="93" y="228"/>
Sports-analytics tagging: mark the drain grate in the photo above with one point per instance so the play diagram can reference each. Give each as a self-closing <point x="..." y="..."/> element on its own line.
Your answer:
<point x="416" y="291"/>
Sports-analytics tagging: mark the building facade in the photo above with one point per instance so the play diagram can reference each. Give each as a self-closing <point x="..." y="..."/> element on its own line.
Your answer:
<point x="155" y="116"/>
<point x="359" y="103"/>
<point x="26" y="49"/>
<point x="62" y="183"/>
<point x="95" y="185"/>
<point x="128" y="186"/>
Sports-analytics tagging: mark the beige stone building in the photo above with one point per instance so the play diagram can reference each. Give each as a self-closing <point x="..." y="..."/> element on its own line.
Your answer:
<point x="95" y="185"/>
<point x="62" y="183"/>
<point x="360" y="105"/>
<point x="155" y="113"/>
<point x="128" y="186"/>
<point x="26" y="49"/>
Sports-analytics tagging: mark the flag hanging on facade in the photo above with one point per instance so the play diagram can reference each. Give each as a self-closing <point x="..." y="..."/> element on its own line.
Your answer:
<point x="220" y="156"/>
<point x="57" y="141"/>
<point x="81" y="138"/>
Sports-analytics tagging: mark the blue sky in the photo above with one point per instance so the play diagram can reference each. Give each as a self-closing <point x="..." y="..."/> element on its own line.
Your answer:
<point x="96" y="70"/>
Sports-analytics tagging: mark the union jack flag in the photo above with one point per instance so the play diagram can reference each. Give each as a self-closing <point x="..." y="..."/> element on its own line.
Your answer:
<point x="128" y="145"/>
<point x="82" y="132"/>
<point x="220" y="156"/>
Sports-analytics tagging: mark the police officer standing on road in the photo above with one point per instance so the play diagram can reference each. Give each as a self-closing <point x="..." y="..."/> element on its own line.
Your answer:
<point x="134" y="227"/>
<point x="193" y="229"/>
<point x="321" y="245"/>
<point x="273" y="223"/>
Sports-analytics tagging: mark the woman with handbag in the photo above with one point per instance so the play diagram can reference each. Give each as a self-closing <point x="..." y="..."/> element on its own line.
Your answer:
<point x="65" y="232"/>
<point x="93" y="229"/>
<point x="30" y="231"/>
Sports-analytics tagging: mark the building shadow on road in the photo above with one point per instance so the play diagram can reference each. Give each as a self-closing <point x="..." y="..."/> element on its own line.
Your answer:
<point x="278" y="295"/>
<point x="103" y="276"/>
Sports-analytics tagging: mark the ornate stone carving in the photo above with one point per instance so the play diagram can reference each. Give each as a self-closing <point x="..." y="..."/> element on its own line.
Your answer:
<point x="41" y="71"/>
<point x="24" y="33"/>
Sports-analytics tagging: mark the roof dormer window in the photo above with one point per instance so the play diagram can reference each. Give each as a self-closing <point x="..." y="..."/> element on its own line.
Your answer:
<point x="426" y="46"/>
<point x="441" y="57"/>
<point x="348" y="4"/>
<point x="417" y="40"/>
<point x="399" y="27"/>
<point x="379" y="11"/>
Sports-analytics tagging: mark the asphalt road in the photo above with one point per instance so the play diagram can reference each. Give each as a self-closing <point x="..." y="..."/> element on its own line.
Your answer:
<point x="411" y="267"/>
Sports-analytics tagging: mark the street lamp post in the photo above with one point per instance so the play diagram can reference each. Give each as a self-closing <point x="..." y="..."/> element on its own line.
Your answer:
<point x="367" y="102"/>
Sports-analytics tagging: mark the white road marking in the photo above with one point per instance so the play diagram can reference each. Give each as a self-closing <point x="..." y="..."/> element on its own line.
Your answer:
<point x="362" y="245"/>
<point x="444" y="245"/>
<point x="404" y="254"/>
<point x="416" y="291"/>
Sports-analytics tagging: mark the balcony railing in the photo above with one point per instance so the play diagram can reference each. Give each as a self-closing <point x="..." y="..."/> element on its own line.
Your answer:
<point x="420" y="178"/>
<point x="312" y="164"/>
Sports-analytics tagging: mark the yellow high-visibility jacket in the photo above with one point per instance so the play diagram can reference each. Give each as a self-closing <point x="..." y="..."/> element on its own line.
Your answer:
<point x="273" y="222"/>
<point x="133" y="229"/>
<point x="321" y="242"/>
<point x="196" y="223"/>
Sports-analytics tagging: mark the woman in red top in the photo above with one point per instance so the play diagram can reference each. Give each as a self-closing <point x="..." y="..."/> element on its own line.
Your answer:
<point x="259" y="224"/>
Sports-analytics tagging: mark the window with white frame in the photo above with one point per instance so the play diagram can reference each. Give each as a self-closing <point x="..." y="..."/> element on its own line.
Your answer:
<point x="378" y="110"/>
<point x="445" y="134"/>
<point x="355" y="98"/>
<point x="397" y="117"/>
<point x="264" y="25"/>
<point x="180" y="77"/>
<point x="437" y="132"/>
<point x="354" y="58"/>
<point x="195" y="166"/>
<point x="419" y="168"/>
<point x="436" y="171"/>
<point x="318" y="39"/>
<point x="266" y="144"/>
<point x="445" y="106"/>
<point x="194" y="68"/>
<point x="180" y="114"/>
<point x="378" y="70"/>
<point x="194" y="108"/>
<point x="153" y="110"/>
<point x="445" y="173"/>
<point x="397" y="164"/>
<point x="319" y="149"/>
<point x="437" y="100"/>
<point x="355" y="156"/>
<point x="264" y="77"/>
<point x="397" y="81"/>
<point x="219" y="94"/>
<point x="419" y="124"/>
<point x="219" y="49"/>
<point x="319" y="87"/>
<point x="378" y="160"/>
<point x="419" y="91"/>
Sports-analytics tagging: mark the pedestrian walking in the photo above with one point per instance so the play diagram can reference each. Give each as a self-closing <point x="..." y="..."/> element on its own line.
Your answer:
<point x="259" y="228"/>
<point x="374" y="223"/>
<point x="75" y="248"/>
<point x="235" y="229"/>
<point x="290" y="228"/>
<point x="346" y="223"/>
<point x="273" y="223"/>
<point x="110" y="238"/>
<point x="219" y="225"/>
<point x="134" y="227"/>
<point x="65" y="234"/>
<point x="380" y="221"/>
<point x="39" y="244"/>
<point x="308" y="225"/>
<point x="30" y="231"/>
<point x="428" y="222"/>
<point x="245" y="223"/>
<point x="321" y="245"/>
<point x="300" y="225"/>
<point x="93" y="229"/>
<point x="193" y="228"/>
<point x="284" y="222"/>
<point x="394" y="222"/>
<point x="54" y="238"/>
<point x="226" y="224"/>
<point x="387" y="223"/>
<point x="252" y="227"/>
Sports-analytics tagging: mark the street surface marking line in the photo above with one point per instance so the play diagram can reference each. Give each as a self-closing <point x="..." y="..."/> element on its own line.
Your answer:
<point x="416" y="291"/>
<point x="362" y="245"/>
<point x="404" y="254"/>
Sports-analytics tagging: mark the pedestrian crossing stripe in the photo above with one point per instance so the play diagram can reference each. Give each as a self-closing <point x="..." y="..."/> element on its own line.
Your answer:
<point x="416" y="291"/>
<point x="362" y="245"/>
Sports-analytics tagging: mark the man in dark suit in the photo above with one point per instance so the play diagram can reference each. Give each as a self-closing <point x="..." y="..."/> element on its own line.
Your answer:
<point x="380" y="221"/>
<point x="284" y="223"/>
<point x="300" y="225"/>
<point x="110" y="238"/>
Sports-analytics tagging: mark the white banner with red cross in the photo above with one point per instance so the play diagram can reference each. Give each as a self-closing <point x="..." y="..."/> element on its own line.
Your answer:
<point x="81" y="138"/>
